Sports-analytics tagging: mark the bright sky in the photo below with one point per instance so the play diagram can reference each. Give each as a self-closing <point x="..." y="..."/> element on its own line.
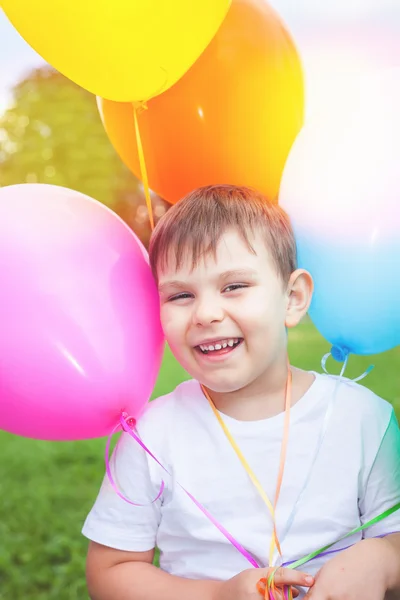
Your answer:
<point x="336" y="39"/>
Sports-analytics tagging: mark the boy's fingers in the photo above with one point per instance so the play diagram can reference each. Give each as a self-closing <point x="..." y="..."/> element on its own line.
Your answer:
<point x="284" y="576"/>
<point x="278" y="592"/>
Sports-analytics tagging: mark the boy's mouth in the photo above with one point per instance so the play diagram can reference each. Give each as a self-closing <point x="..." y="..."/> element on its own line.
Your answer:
<point x="217" y="347"/>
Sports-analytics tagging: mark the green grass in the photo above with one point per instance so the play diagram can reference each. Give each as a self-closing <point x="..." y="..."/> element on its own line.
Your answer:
<point x="46" y="489"/>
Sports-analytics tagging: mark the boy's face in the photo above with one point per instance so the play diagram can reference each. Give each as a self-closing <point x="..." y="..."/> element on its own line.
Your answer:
<point x="225" y="319"/>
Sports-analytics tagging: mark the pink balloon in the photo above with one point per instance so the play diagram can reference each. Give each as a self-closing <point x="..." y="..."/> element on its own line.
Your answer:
<point x="80" y="336"/>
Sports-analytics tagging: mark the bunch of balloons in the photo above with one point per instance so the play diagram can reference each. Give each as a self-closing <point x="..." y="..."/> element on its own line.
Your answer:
<point x="232" y="118"/>
<point x="190" y="93"/>
<point x="221" y="79"/>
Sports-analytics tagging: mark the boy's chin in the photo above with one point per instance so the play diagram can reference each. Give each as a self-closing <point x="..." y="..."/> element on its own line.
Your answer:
<point x="223" y="387"/>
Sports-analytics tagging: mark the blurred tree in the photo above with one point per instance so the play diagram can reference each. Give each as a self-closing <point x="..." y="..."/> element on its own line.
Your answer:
<point x="53" y="134"/>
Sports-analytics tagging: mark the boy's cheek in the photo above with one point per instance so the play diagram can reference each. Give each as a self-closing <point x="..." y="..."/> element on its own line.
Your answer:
<point x="166" y="329"/>
<point x="172" y="331"/>
<point x="165" y="316"/>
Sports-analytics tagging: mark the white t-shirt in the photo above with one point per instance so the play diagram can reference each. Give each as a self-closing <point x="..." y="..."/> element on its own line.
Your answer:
<point x="355" y="476"/>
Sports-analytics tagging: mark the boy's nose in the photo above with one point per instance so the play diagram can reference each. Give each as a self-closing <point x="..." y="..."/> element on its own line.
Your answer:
<point x="207" y="312"/>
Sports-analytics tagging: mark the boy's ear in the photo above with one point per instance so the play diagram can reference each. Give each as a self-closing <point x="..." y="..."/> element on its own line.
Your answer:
<point x="299" y="293"/>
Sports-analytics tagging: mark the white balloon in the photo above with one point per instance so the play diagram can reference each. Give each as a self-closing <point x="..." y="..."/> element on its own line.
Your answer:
<point x="344" y="164"/>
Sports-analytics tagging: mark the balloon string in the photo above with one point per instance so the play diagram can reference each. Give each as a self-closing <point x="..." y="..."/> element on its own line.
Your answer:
<point x="126" y="425"/>
<point x="270" y="587"/>
<point x="321" y="551"/>
<point x="289" y="563"/>
<point x="110" y="475"/>
<point x="246" y="466"/>
<point x="124" y="422"/>
<point x="342" y="355"/>
<point x="267" y="588"/>
<point x="324" y="428"/>
<point x="142" y="162"/>
<point x="324" y="551"/>
<point x="284" y="446"/>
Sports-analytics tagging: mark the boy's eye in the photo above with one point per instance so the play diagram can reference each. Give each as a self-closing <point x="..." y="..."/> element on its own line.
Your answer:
<point x="234" y="286"/>
<point x="182" y="296"/>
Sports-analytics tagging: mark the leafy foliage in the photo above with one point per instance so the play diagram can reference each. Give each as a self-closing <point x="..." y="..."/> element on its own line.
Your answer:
<point x="53" y="134"/>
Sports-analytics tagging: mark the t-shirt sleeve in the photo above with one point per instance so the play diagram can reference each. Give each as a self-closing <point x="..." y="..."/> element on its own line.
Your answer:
<point x="114" y="522"/>
<point x="382" y="490"/>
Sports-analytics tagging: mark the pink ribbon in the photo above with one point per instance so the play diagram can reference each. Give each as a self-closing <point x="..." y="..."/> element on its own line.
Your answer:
<point x="110" y="475"/>
<point x="126" y="423"/>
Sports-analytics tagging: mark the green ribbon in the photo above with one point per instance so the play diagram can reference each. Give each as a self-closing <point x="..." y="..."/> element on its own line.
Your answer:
<point x="305" y="559"/>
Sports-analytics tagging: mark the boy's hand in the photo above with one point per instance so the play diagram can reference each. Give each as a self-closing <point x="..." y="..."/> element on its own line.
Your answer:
<point x="246" y="585"/>
<point x="362" y="571"/>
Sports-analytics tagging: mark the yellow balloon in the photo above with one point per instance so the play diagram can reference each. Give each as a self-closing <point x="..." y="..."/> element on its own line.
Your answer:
<point x="123" y="50"/>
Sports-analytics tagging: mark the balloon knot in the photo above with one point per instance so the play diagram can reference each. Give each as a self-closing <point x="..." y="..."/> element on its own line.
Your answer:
<point x="140" y="106"/>
<point x="339" y="354"/>
<point x="127" y="420"/>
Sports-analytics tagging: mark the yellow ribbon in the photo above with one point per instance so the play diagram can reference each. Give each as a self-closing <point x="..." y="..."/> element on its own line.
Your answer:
<point x="271" y="507"/>
<point x="137" y="107"/>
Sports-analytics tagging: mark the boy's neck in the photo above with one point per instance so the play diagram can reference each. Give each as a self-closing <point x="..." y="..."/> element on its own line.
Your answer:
<point x="265" y="397"/>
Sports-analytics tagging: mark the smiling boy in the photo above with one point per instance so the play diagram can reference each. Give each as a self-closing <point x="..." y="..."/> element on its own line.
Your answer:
<point x="225" y="264"/>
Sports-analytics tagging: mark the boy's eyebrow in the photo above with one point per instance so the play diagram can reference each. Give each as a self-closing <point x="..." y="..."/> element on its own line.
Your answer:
<point x="248" y="272"/>
<point x="173" y="284"/>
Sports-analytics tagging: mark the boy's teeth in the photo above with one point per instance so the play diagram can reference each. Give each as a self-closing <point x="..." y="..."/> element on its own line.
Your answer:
<point x="218" y="346"/>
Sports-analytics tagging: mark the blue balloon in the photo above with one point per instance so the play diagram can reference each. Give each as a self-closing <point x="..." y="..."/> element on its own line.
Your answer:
<point x="356" y="302"/>
<point x="341" y="189"/>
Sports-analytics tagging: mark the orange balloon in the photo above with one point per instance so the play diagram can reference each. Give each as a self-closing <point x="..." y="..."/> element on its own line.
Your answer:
<point x="232" y="118"/>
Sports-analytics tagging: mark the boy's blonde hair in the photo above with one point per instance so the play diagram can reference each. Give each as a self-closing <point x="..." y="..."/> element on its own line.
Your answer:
<point x="194" y="226"/>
